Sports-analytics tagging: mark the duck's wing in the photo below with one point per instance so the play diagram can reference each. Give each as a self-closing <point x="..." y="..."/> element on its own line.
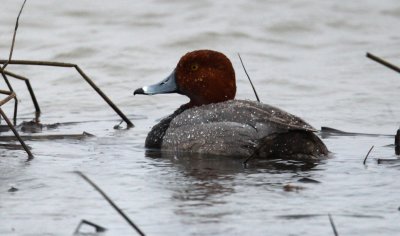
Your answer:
<point x="274" y="115"/>
<point x="232" y="128"/>
<point x="242" y="112"/>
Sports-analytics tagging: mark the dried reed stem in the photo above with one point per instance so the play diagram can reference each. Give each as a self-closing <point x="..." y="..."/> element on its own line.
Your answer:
<point x="110" y="202"/>
<point x="365" y="159"/>
<point x="251" y="83"/>
<point x="383" y="62"/>
<point x="333" y="225"/>
<point x="84" y="76"/>
<point x="14" y="36"/>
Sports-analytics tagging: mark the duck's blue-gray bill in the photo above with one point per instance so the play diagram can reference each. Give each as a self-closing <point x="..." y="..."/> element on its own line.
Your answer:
<point x="168" y="85"/>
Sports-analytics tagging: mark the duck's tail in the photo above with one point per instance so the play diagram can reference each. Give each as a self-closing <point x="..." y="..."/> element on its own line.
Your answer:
<point x="294" y="144"/>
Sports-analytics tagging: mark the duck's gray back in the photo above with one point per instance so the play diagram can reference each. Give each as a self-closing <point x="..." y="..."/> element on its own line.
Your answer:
<point x="231" y="128"/>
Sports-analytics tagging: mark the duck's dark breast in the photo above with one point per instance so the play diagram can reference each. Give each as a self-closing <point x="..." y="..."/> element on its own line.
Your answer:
<point x="155" y="136"/>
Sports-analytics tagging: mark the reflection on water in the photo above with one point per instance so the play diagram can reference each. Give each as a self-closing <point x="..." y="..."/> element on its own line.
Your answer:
<point x="228" y="166"/>
<point x="306" y="57"/>
<point x="209" y="180"/>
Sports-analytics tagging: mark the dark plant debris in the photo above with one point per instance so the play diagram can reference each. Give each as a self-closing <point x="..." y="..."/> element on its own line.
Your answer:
<point x="292" y="188"/>
<point x="365" y="159"/>
<point x="397" y="142"/>
<point x="12" y="189"/>
<point x="308" y="180"/>
<point x="327" y="131"/>
<point x="388" y="161"/>
<point x="333" y="225"/>
<point x="97" y="228"/>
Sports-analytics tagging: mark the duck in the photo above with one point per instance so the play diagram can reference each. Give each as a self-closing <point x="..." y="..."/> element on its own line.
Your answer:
<point x="214" y="123"/>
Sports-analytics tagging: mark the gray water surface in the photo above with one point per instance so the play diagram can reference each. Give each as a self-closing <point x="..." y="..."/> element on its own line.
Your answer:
<point x="306" y="57"/>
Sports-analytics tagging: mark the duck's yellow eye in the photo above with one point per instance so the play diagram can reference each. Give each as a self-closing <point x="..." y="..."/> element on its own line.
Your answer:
<point x="194" y="67"/>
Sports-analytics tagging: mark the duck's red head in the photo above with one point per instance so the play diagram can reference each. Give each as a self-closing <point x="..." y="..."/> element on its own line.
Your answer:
<point x="205" y="76"/>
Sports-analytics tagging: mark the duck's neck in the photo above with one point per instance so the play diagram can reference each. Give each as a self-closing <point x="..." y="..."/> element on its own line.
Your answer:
<point x="194" y="103"/>
<point x="187" y="106"/>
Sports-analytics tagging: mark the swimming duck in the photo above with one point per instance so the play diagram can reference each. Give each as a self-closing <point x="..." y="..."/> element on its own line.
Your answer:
<point x="214" y="123"/>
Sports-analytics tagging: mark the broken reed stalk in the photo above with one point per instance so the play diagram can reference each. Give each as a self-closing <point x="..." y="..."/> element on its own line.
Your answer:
<point x="9" y="58"/>
<point x="110" y="202"/>
<point x="254" y="154"/>
<point x="249" y="158"/>
<point x="47" y="137"/>
<point x="383" y="62"/>
<point x="10" y="125"/>
<point x="10" y="96"/>
<point x="12" y="90"/>
<point x="84" y="76"/>
<point x="14" y="35"/>
<point x="251" y="83"/>
<point x="37" y="108"/>
<point x="333" y="225"/>
<point x="28" y="85"/>
<point x="9" y="92"/>
<point x="397" y="143"/>
<point x="365" y="159"/>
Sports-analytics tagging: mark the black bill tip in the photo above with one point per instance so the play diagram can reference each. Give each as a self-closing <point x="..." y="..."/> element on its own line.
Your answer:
<point x="139" y="91"/>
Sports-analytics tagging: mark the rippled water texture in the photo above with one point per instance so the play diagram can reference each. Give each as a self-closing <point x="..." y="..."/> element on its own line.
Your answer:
<point x="306" y="57"/>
